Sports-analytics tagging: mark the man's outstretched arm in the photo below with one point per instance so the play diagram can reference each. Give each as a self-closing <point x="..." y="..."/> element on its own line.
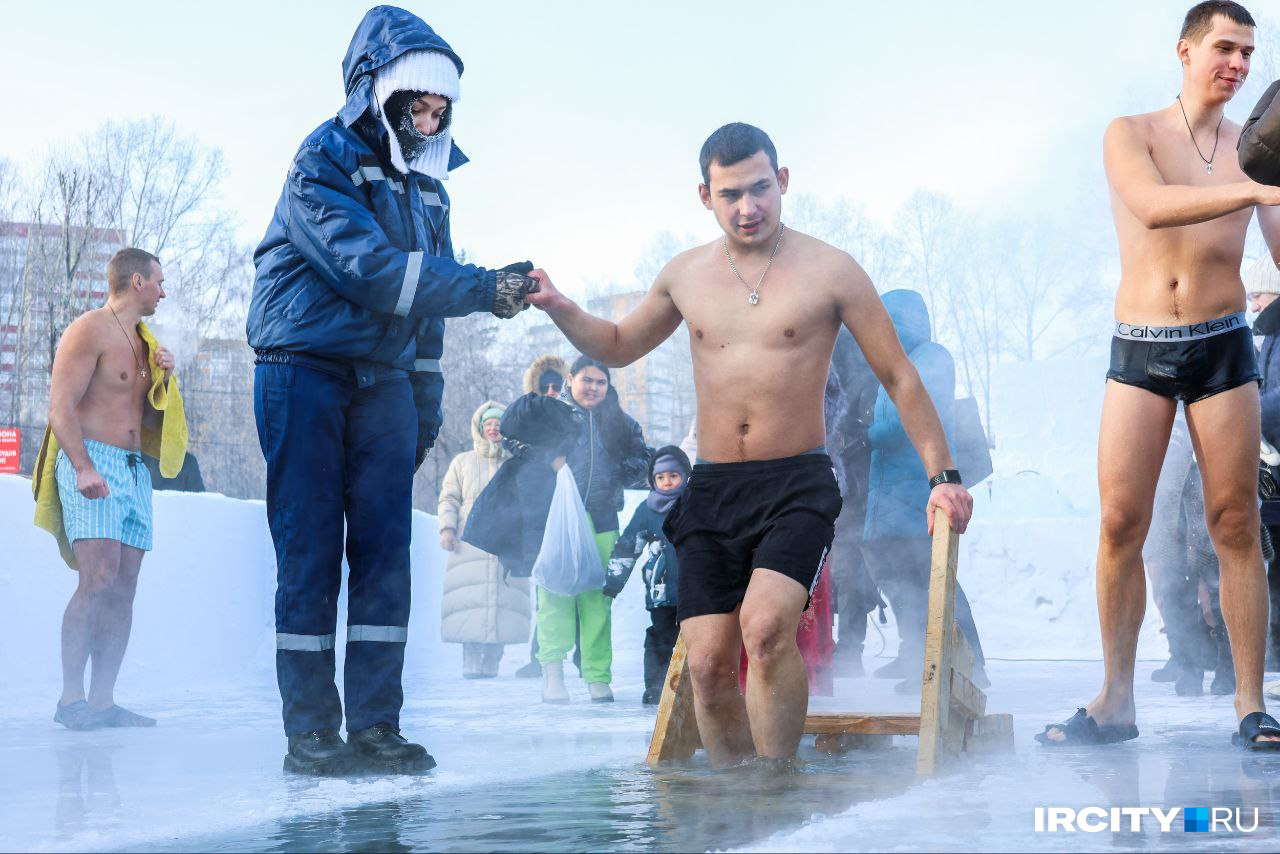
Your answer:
<point x="615" y="344"/>
<point x="1135" y="179"/>
<point x="862" y="311"/>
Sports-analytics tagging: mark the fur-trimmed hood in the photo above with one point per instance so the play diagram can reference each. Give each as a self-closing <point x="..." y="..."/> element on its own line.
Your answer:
<point x="545" y="362"/>
<point x="483" y="446"/>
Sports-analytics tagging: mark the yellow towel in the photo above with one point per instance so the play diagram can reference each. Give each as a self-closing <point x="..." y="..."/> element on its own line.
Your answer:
<point x="168" y="443"/>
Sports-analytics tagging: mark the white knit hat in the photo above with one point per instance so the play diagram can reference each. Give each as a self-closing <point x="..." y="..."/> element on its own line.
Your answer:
<point x="1262" y="277"/>
<point x="420" y="71"/>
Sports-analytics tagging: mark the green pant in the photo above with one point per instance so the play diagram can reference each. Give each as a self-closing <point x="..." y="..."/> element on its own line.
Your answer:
<point x="590" y="613"/>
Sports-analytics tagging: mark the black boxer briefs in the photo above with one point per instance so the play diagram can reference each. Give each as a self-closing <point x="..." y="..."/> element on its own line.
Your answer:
<point x="737" y="517"/>
<point x="1187" y="363"/>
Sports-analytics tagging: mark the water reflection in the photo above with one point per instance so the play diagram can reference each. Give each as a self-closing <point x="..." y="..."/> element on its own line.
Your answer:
<point x="87" y="793"/>
<point x="619" y="809"/>
<point x="372" y="827"/>
<point x="984" y="804"/>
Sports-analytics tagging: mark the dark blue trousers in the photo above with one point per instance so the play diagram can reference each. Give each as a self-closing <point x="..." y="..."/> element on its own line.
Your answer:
<point x="338" y="453"/>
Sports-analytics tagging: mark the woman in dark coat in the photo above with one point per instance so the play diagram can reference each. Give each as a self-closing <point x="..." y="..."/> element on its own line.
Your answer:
<point x="604" y="448"/>
<point x="609" y="455"/>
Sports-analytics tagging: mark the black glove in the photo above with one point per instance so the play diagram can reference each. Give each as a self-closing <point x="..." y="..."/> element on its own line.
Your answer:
<point x="509" y="294"/>
<point x="524" y="268"/>
<point x="420" y="458"/>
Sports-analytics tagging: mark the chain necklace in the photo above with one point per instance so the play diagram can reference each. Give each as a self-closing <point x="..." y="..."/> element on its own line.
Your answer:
<point x="754" y="298"/>
<point x="1208" y="164"/>
<point x="142" y="372"/>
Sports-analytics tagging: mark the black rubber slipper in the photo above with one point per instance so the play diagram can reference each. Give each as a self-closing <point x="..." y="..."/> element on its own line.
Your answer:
<point x="1082" y="729"/>
<point x="1253" y="725"/>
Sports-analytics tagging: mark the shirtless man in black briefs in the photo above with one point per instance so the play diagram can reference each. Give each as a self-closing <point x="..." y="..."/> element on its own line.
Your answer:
<point x="1181" y="208"/>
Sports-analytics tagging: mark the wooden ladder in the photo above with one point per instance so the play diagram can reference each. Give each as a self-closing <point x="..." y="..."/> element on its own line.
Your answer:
<point x="953" y="711"/>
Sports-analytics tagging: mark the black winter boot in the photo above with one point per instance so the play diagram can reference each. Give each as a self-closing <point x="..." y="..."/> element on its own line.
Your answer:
<point x="1167" y="672"/>
<point x="895" y="669"/>
<point x="1190" y="682"/>
<point x="381" y="748"/>
<point x="322" y="753"/>
<point x="1224" y="674"/>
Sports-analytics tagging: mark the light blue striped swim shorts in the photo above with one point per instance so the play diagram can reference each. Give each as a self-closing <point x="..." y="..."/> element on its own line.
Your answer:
<point x="125" y="514"/>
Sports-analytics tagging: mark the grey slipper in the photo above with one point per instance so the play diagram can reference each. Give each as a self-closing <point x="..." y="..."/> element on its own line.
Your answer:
<point x="118" y="717"/>
<point x="77" y="716"/>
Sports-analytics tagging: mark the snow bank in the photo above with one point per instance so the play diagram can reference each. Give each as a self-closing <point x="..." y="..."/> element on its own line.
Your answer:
<point x="204" y="612"/>
<point x="204" y="615"/>
<point x="1027" y="562"/>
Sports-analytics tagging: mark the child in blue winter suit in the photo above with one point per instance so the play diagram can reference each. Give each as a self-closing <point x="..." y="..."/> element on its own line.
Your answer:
<point x="644" y="543"/>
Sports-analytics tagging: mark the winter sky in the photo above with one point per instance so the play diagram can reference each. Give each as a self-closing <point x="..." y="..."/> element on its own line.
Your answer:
<point x="583" y="119"/>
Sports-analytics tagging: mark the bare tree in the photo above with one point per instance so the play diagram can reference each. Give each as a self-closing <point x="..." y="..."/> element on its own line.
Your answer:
<point x="1043" y="281"/>
<point x="162" y="196"/>
<point x="846" y="225"/>
<point x="12" y="296"/>
<point x="945" y="259"/>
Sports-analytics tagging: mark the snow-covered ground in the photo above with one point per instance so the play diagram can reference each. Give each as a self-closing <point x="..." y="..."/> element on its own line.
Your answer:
<point x="515" y="774"/>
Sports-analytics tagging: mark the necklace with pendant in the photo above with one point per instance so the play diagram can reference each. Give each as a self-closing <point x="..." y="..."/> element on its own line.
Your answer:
<point x="1208" y="163"/>
<point x="754" y="296"/>
<point x="142" y="372"/>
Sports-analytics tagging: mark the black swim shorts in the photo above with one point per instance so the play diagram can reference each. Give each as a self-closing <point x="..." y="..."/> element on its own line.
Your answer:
<point x="1186" y="363"/>
<point x="737" y="517"/>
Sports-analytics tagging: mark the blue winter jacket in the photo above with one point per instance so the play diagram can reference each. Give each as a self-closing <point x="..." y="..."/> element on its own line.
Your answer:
<point x="898" y="488"/>
<point x="357" y="264"/>
<point x="644" y="543"/>
<point x="1268" y="324"/>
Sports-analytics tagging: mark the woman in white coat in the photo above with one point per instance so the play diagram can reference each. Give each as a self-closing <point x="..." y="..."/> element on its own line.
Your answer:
<point x="482" y="609"/>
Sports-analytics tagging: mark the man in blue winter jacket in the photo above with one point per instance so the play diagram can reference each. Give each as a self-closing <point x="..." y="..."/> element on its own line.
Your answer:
<point x="354" y="279"/>
<point x="896" y="552"/>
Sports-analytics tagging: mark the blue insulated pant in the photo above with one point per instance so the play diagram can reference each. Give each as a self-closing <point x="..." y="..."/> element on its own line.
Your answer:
<point x="338" y="452"/>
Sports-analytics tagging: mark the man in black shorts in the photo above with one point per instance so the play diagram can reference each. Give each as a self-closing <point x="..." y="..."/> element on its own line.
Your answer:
<point x="1181" y="211"/>
<point x="763" y="305"/>
<point x="774" y="513"/>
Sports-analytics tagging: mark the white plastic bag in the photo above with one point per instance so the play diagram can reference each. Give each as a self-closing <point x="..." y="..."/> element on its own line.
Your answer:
<point x="569" y="561"/>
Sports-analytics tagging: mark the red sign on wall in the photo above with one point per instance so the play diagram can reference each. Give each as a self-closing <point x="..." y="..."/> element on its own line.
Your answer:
<point x="9" y="446"/>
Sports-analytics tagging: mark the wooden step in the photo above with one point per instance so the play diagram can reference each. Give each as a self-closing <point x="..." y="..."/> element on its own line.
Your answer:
<point x="863" y="722"/>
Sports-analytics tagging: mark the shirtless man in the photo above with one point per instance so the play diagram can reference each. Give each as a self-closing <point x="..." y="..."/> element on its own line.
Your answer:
<point x="98" y="403"/>
<point x="755" y="523"/>
<point x="1181" y="215"/>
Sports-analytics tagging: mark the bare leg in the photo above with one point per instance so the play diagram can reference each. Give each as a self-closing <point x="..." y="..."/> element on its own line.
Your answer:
<point x="1131" y="448"/>
<point x="777" y="680"/>
<point x="1226" y="432"/>
<point x="99" y="562"/>
<point x="115" y="620"/>
<point x="714" y="644"/>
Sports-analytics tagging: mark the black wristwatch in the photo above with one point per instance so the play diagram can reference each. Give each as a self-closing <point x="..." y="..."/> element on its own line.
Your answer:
<point x="946" y="476"/>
